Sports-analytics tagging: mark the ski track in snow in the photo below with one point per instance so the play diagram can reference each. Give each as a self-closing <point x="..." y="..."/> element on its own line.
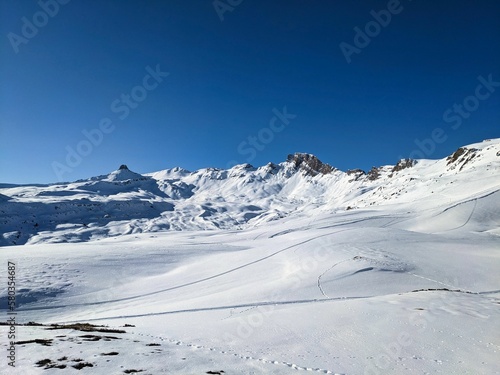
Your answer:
<point x="373" y="252"/>
<point x="348" y="250"/>
<point x="226" y="307"/>
<point x="185" y="284"/>
<point x="329" y="269"/>
<point x="253" y="305"/>
<point x="395" y="223"/>
<point x="480" y="195"/>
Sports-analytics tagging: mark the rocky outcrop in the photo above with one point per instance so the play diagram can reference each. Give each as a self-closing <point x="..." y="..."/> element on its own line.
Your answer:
<point x="271" y="168"/>
<point x="310" y="164"/>
<point x="356" y="173"/>
<point x="403" y="164"/>
<point x="373" y="174"/>
<point x="461" y="157"/>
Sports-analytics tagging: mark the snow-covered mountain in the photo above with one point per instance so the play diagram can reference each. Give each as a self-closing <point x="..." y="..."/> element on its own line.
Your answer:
<point x="304" y="268"/>
<point x="125" y="202"/>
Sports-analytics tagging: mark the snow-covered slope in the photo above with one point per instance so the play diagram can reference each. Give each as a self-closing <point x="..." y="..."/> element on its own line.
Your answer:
<point x="349" y="293"/>
<point x="125" y="202"/>
<point x="305" y="269"/>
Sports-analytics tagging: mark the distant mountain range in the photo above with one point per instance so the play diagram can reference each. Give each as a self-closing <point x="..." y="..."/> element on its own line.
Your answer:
<point x="124" y="202"/>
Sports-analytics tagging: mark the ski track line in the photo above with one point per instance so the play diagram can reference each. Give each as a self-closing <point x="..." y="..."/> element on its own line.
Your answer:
<point x="377" y="252"/>
<point x="215" y="308"/>
<point x="342" y="223"/>
<point x="182" y="285"/>
<point x="397" y="220"/>
<point x="329" y="269"/>
<point x="485" y="194"/>
<point x="371" y="252"/>
<point x="468" y="219"/>
<point x="473" y="208"/>
<point x="243" y="357"/>
<point x="470" y="216"/>
<point x="338" y="224"/>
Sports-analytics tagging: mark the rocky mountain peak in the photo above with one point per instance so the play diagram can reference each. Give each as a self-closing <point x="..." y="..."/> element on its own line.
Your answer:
<point x="123" y="173"/>
<point x="309" y="163"/>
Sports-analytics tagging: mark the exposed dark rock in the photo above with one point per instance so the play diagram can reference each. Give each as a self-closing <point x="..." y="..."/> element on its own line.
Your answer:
<point x="373" y="174"/>
<point x="461" y="157"/>
<point x="454" y="157"/>
<point x="271" y="168"/>
<point x="403" y="164"/>
<point x="310" y="164"/>
<point x="81" y="365"/>
<point x="85" y="327"/>
<point x="355" y="171"/>
<point x="43" y="362"/>
<point x="44" y="342"/>
<point x="123" y="166"/>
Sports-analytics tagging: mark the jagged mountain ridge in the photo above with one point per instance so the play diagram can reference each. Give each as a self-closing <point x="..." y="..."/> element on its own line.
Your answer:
<point x="126" y="202"/>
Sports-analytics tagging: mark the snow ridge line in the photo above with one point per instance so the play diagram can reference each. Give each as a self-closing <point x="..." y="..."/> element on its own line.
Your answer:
<point x="244" y="357"/>
<point x="485" y="194"/>
<point x="439" y="282"/>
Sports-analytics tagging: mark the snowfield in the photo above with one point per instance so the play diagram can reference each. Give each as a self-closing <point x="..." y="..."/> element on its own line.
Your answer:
<point x="280" y="269"/>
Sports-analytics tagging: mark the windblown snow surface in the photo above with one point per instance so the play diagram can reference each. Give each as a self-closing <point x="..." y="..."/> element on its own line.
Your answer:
<point x="281" y="269"/>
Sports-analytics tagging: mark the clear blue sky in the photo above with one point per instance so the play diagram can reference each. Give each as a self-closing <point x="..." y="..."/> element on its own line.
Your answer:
<point x="226" y="77"/>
